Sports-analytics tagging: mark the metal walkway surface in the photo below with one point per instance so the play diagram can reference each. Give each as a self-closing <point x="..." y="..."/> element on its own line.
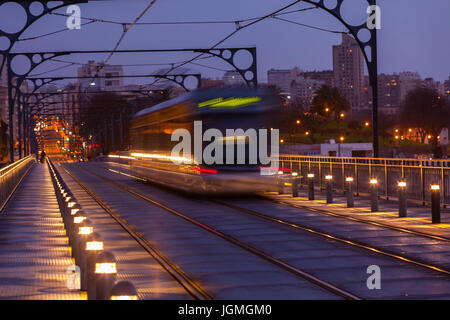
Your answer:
<point x="34" y="252"/>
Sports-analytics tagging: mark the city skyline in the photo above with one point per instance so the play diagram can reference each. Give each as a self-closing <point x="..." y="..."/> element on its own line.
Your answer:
<point x="401" y="43"/>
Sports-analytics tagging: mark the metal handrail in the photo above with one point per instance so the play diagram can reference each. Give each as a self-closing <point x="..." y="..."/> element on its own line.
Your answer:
<point x="419" y="173"/>
<point x="11" y="176"/>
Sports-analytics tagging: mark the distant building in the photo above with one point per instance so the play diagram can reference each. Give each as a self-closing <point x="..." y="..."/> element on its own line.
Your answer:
<point x="304" y="89"/>
<point x="331" y="149"/>
<point x="112" y="76"/>
<point x="3" y="74"/>
<point x="389" y="93"/>
<point x="208" y="83"/>
<point x="392" y="90"/>
<point x="233" y="78"/>
<point x="408" y="82"/>
<point x="348" y="68"/>
<point x="429" y="83"/>
<point x="327" y="76"/>
<point x="447" y="88"/>
<point x="282" y="78"/>
<point x="71" y="104"/>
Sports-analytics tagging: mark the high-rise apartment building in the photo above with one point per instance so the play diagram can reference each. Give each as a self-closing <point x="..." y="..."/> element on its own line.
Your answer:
<point x="447" y="87"/>
<point x="348" y="68"/>
<point x="110" y="77"/>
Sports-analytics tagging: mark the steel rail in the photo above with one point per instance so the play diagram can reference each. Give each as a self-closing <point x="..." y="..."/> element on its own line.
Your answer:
<point x="388" y="253"/>
<point x="298" y="272"/>
<point x="374" y="223"/>
<point x="194" y="289"/>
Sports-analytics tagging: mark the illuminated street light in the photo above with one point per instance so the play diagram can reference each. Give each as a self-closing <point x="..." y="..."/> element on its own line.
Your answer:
<point x="435" y="203"/>
<point x="124" y="290"/>
<point x="402" y="202"/>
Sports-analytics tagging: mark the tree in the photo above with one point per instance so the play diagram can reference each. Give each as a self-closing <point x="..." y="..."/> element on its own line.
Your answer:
<point x="312" y="123"/>
<point x="426" y="111"/>
<point x="329" y="101"/>
<point x="288" y="117"/>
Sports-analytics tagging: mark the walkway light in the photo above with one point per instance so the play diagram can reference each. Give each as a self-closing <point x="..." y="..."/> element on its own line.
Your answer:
<point x="105" y="268"/>
<point x="374" y="194"/>
<point x="310" y="186"/>
<point x="105" y="275"/>
<point x="78" y="220"/>
<point x="402" y="202"/>
<point x="94" y="245"/>
<point x="329" y="179"/>
<point x="124" y="290"/>
<point x="85" y="230"/>
<point x="350" y="198"/>
<point x="435" y="203"/>
<point x="295" y="181"/>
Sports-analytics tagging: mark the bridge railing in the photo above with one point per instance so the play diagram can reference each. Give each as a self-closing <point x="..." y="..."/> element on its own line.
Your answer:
<point x="419" y="174"/>
<point x="11" y="176"/>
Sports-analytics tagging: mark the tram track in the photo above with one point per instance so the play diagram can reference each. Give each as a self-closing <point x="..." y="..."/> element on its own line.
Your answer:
<point x="356" y="219"/>
<point x="355" y="243"/>
<point x="242" y="245"/>
<point x="191" y="286"/>
<point x="358" y="244"/>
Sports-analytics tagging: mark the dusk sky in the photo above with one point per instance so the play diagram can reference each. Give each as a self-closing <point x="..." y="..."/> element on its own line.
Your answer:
<point x="414" y="35"/>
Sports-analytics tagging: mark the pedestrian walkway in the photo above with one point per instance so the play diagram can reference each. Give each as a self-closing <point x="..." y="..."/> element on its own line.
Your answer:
<point x="418" y="219"/>
<point x="35" y="259"/>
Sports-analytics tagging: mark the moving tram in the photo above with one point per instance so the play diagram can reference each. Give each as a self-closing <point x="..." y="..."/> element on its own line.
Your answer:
<point x="214" y="141"/>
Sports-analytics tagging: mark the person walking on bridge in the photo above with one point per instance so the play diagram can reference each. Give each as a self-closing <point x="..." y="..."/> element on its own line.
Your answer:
<point x="43" y="156"/>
